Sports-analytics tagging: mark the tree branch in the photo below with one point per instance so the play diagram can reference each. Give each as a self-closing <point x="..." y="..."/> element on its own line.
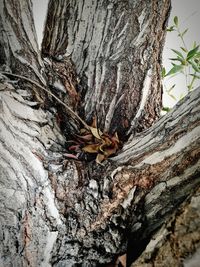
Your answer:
<point x="55" y="35"/>
<point x="85" y="213"/>
<point x="116" y="49"/>
<point x="60" y="212"/>
<point x="18" y="41"/>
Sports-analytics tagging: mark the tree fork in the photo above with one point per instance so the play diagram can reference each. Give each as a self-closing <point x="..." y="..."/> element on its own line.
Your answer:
<point x="116" y="48"/>
<point x="60" y="212"/>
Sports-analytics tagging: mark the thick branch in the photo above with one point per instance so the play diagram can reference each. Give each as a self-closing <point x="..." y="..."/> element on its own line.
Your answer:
<point x="116" y="47"/>
<point x="55" y="35"/>
<point x="177" y="239"/>
<point x="139" y="195"/>
<point x="19" y="49"/>
<point x="75" y="212"/>
<point x="60" y="212"/>
<point x="26" y="196"/>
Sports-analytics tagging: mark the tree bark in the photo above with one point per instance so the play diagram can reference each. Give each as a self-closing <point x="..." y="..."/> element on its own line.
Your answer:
<point x="19" y="48"/>
<point x="116" y="47"/>
<point x="56" y="211"/>
<point x="177" y="240"/>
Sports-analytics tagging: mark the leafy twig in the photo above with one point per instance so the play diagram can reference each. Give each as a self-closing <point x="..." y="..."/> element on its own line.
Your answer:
<point x="189" y="60"/>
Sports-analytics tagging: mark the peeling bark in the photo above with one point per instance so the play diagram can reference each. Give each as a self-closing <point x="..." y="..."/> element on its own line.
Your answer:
<point x="60" y="212"/>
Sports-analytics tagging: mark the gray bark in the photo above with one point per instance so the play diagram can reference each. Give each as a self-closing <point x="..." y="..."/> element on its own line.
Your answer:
<point x="18" y="43"/>
<point x="60" y="212"/>
<point x="177" y="243"/>
<point x="116" y="48"/>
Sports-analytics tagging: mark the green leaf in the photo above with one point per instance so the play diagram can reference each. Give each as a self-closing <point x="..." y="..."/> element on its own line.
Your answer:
<point x="192" y="53"/>
<point x="184" y="32"/>
<point x="184" y="49"/>
<point x="195" y="75"/>
<point x="182" y="95"/>
<point x="189" y="87"/>
<point x="194" y="44"/>
<point x="197" y="61"/>
<point x="163" y="72"/>
<point x="197" y="55"/>
<point x="171" y="88"/>
<point x="194" y="66"/>
<point x="172" y="96"/>
<point x="175" y="69"/>
<point x="178" y="59"/>
<point x="167" y="109"/>
<point x="176" y="21"/>
<point x="178" y="53"/>
<point x="170" y="29"/>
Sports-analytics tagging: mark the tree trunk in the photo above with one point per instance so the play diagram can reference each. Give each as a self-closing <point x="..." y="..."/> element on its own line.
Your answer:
<point x="177" y="240"/>
<point x="116" y="47"/>
<point x="57" y="211"/>
<point x="19" y="49"/>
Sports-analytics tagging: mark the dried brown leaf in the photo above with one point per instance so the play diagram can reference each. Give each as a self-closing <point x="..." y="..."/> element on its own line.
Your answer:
<point x="94" y="122"/>
<point x="110" y="151"/>
<point x="74" y="147"/>
<point x="107" y="141"/>
<point x="83" y="131"/>
<point x="96" y="133"/>
<point x="122" y="260"/>
<point x="86" y="137"/>
<point x="70" y="156"/>
<point x="115" y="138"/>
<point x="93" y="148"/>
<point x="100" y="158"/>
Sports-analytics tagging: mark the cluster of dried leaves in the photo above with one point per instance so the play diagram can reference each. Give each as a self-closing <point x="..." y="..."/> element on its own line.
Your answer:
<point x="91" y="140"/>
<point x="94" y="141"/>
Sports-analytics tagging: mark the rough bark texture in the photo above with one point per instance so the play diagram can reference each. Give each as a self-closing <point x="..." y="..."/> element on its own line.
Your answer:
<point x="63" y="212"/>
<point x="18" y="43"/>
<point x="175" y="243"/>
<point x="116" y="47"/>
<point x="55" y="35"/>
<point x="59" y="212"/>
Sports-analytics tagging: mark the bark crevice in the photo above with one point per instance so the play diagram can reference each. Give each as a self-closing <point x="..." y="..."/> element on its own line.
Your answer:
<point x="55" y="211"/>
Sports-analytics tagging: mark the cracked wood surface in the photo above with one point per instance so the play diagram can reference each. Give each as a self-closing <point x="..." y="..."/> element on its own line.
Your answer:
<point x="178" y="241"/>
<point x="116" y="47"/>
<point x="59" y="212"/>
<point x="84" y="211"/>
<point x="27" y="199"/>
<point x="19" y="50"/>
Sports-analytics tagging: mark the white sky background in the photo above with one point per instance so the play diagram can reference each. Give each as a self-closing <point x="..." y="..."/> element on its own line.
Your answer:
<point x="188" y="12"/>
